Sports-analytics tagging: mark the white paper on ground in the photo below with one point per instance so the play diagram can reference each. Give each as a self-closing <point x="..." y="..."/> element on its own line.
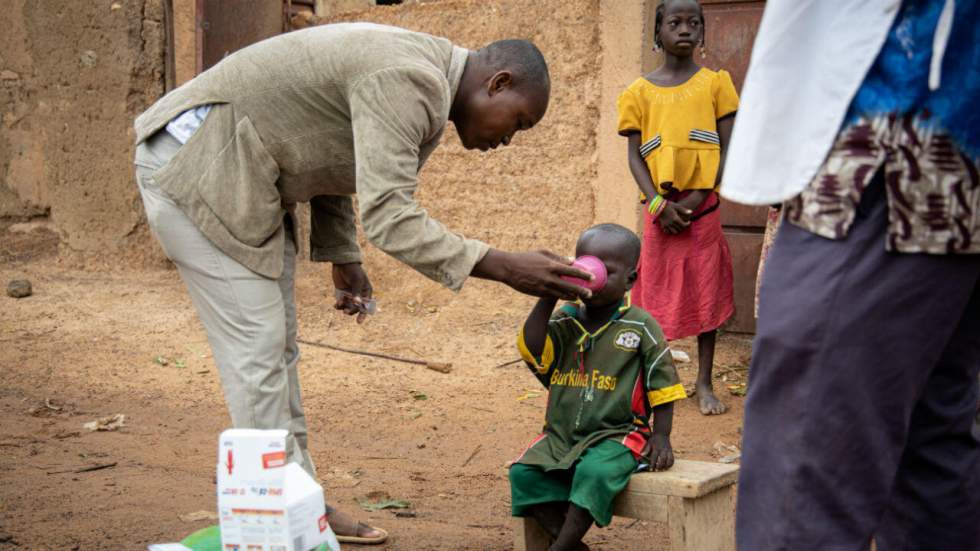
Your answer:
<point x="679" y="356"/>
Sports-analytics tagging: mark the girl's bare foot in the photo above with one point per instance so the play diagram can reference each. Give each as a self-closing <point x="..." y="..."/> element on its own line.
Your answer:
<point x="708" y="402"/>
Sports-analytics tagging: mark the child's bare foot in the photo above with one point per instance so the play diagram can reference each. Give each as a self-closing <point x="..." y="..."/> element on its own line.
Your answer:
<point x="709" y="403"/>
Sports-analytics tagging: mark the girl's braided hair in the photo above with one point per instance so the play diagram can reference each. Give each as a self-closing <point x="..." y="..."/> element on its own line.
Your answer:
<point x="660" y="19"/>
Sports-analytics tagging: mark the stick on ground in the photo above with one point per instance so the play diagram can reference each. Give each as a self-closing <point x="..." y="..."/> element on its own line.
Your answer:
<point x="435" y="366"/>
<point x="87" y="469"/>
<point x="472" y="455"/>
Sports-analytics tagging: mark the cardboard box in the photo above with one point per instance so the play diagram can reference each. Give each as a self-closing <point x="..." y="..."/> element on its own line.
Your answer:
<point x="265" y="503"/>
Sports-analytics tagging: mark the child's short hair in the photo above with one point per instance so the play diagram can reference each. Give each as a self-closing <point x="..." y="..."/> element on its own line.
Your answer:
<point x="628" y="241"/>
<point x="660" y="19"/>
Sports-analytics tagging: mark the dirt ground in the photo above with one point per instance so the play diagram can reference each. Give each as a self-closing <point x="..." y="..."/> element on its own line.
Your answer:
<point x="84" y="346"/>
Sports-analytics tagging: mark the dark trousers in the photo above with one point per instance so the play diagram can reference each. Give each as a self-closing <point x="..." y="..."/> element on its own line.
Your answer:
<point x="859" y="421"/>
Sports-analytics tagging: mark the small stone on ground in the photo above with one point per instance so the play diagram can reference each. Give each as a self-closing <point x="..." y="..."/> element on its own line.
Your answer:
<point x="19" y="288"/>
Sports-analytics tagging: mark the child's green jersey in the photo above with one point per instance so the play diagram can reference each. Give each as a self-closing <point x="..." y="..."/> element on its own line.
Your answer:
<point x="601" y="385"/>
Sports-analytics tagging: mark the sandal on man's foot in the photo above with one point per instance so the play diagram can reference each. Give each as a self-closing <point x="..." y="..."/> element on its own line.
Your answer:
<point x="349" y="530"/>
<point x="381" y="537"/>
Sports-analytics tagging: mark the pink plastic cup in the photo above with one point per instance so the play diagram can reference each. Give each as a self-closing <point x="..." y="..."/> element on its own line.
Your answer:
<point x="595" y="267"/>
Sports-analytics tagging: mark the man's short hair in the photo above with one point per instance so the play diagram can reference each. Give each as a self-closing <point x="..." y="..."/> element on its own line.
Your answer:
<point x="627" y="242"/>
<point x="523" y="59"/>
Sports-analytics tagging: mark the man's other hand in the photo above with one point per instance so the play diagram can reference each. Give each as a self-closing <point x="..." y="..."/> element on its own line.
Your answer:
<point x="353" y="281"/>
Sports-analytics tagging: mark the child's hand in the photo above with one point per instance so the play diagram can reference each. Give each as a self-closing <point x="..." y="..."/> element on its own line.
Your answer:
<point x="658" y="453"/>
<point x="694" y="199"/>
<point x="674" y="218"/>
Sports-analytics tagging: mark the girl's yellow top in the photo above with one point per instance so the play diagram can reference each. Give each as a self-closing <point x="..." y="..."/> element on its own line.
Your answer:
<point x="679" y="129"/>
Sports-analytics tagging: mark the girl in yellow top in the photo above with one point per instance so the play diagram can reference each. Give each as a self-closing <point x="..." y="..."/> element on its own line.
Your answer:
<point x="678" y="120"/>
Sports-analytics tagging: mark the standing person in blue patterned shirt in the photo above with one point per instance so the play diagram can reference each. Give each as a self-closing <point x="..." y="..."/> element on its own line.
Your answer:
<point x="862" y="117"/>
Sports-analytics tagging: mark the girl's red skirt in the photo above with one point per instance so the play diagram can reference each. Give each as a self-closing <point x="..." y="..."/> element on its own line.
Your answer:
<point x="685" y="280"/>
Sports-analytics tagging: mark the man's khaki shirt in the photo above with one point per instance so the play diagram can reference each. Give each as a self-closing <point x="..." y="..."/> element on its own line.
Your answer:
<point x="319" y="115"/>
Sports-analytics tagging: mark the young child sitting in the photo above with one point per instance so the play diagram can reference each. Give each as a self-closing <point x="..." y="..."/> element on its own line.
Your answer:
<point x="607" y="369"/>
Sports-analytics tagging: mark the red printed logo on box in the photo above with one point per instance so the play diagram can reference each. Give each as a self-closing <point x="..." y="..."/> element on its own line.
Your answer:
<point x="273" y="460"/>
<point x="323" y="523"/>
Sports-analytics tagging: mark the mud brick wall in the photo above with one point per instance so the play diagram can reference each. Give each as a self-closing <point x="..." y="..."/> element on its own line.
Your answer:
<point x="73" y="75"/>
<point x="537" y="192"/>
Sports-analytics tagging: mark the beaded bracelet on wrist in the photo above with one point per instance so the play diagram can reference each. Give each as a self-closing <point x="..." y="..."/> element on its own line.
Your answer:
<point x="656" y="206"/>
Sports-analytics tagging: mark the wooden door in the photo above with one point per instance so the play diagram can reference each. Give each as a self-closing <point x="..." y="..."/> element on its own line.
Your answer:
<point x="228" y="25"/>
<point x="730" y="27"/>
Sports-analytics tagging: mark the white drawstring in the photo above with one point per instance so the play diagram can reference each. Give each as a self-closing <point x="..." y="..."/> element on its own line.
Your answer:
<point x="939" y="42"/>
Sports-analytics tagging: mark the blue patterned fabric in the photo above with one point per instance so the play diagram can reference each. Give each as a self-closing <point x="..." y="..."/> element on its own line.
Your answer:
<point x="897" y="82"/>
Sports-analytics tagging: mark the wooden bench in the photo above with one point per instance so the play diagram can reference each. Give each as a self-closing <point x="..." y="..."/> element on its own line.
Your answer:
<point x="694" y="498"/>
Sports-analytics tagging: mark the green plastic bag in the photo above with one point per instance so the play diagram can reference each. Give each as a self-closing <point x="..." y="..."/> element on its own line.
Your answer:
<point x="205" y="539"/>
<point x="209" y="539"/>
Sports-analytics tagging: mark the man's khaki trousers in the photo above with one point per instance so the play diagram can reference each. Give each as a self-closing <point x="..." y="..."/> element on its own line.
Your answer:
<point x="250" y="320"/>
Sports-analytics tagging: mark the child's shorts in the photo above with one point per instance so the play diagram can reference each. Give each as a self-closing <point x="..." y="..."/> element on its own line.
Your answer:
<point x="592" y="483"/>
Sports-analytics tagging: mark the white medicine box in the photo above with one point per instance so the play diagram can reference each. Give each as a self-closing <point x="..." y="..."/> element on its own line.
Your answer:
<point x="265" y="503"/>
